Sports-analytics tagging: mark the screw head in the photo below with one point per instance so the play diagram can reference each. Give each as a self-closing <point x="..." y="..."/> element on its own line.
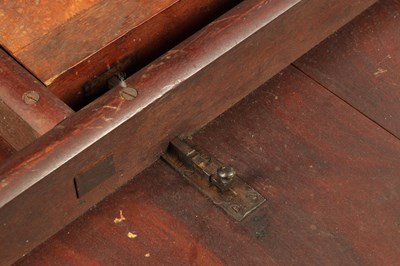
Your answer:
<point x="31" y="97"/>
<point x="236" y="207"/>
<point x="252" y="195"/>
<point x="226" y="173"/>
<point x="128" y="93"/>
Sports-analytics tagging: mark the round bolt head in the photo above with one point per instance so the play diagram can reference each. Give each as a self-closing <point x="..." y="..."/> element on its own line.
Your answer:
<point x="31" y="97"/>
<point x="128" y="93"/>
<point x="226" y="173"/>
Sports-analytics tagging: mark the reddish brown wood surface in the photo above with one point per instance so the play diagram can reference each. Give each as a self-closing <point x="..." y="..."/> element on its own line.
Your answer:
<point x="330" y="176"/>
<point x="361" y="65"/>
<point x="23" y="22"/>
<point x="6" y="150"/>
<point x="15" y="130"/>
<point x="85" y="34"/>
<point x="15" y="81"/>
<point x="96" y="37"/>
<point x="180" y="92"/>
<point x="129" y="52"/>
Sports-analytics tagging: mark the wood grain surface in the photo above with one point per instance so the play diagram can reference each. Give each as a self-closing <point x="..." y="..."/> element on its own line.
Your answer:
<point x="361" y="65"/>
<point x="75" y="49"/>
<point x="24" y="22"/>
<point x="84" y="76"/>
<point x="6" y="150"/>
<point x="15" y="83"/>
<point x="179" y="92"/>
<point x="14" y="130"/>
<point x="330" y="176"/>
<point x="85" y="34"/>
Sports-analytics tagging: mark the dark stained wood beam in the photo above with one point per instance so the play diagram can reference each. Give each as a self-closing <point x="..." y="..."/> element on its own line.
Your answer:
<point x="29" y="99"/>
<point x="180" y="92"/>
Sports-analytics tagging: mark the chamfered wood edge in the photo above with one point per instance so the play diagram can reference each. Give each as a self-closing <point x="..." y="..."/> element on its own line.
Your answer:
<point x="180" y="92"/>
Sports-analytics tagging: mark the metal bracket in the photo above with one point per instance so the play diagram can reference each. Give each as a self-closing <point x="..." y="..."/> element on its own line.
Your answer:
<point x="212" y="178"/>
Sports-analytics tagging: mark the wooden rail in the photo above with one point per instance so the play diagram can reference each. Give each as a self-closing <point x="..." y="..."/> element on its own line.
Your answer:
<point x="28" y="98"/>
<point x="28" y="109"/>
<point x="178" y="93"/>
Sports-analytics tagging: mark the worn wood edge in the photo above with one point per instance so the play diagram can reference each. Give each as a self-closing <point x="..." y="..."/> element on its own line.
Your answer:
<point x="41" y="45"/>
<point x="15" y="82"/>
<point x="121" y="53"/>
<point x="161" y="86"/>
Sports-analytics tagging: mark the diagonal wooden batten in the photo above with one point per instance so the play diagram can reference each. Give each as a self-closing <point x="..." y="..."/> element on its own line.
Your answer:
<point x="15" y="82"/>
<point x="28" y="110"/>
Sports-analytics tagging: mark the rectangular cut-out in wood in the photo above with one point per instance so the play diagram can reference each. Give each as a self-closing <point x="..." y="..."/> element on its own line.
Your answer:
<point x="92" y="177"/>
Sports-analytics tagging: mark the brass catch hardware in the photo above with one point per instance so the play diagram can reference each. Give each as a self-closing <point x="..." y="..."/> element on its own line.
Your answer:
<point x="217" y="181"/>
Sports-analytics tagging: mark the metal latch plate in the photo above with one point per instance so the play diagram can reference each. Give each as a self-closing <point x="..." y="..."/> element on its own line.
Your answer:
<point x="199" y="168"/>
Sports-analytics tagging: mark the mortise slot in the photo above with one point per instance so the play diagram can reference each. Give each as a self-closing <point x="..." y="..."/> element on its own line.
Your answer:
<point x="94" y="176"/>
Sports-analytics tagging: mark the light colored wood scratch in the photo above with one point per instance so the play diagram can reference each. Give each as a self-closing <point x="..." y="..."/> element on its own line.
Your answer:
<point x="380" y="71"/>
<point x="107" y="119"/>
<point x="110" y="107"/>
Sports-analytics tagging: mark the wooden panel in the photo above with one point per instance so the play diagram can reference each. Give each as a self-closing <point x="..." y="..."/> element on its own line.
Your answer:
<point x="23" y="22"/>
<point x="41" y="113"/>
<point x="361" y="65"/>
<point x="180" y="92"/>
<point x="329" y="174"/>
